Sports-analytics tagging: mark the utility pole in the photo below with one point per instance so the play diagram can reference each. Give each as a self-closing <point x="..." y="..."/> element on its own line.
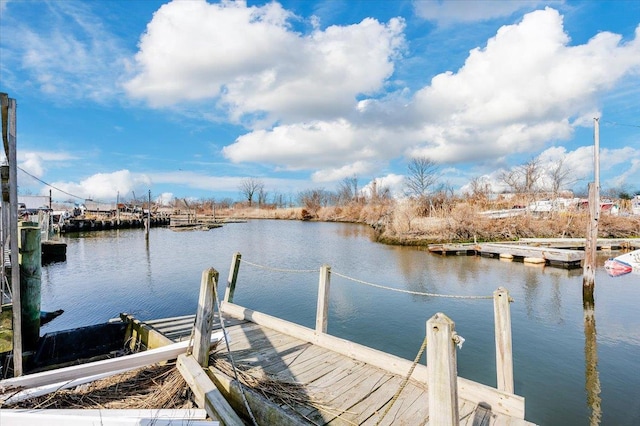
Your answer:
<point x="9" y="136"/>
<point x="591" y="241"/>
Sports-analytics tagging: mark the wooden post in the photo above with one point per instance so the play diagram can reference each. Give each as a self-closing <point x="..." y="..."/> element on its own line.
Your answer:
<point x="322" y="312"/>
<point x="504" y="354"/>
<point x="118" y="209"/>
<point x="233" y="277"/>
<point x="204" y="317"/>
<point x="30" y="277"/>
<point x="591" y="241"/>
<point x="9" y="137"/>
<point x="4" y="226"/>
<point x="442" y="371"/>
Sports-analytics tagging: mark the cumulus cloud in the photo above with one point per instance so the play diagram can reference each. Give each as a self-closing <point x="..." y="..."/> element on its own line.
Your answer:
<point x="251" y="61"/>
<point x="33" y="162"/>
<point x="527" y="88"/>
<point x="104" y="186"/>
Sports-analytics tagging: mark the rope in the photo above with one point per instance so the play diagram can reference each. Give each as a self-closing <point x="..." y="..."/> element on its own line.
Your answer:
<point x="233" y="365"/>
<point x="419" y="293"/>
<point x="303" y="271"/>
<point x="405" y="381"/>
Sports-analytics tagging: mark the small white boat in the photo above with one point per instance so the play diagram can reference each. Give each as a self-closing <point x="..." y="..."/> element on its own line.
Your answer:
<point x="623" y="264"/>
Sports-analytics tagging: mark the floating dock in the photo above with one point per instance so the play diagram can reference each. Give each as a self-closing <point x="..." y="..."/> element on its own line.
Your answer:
<point x="561" y="252"/>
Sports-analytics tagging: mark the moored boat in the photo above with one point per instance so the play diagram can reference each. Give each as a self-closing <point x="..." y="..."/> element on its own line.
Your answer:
<point x="623" y="264"/>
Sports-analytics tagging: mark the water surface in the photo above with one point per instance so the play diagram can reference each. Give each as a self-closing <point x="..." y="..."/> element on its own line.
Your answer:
<point x="118" y="271"/>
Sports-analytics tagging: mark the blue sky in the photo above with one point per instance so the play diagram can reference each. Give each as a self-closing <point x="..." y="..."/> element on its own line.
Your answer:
<point x="188" y="98"/>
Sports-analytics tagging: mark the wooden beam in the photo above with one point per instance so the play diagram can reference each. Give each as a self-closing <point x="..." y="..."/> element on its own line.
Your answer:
<point x="29" y="419"/>
<point x="233" y="277"/>
<point x="9" y="127"/>
<point x="504" y="354"/>
<point x="128" y="362"/>
<point x="551" y="254"/>
<point x="500" y="401"/>
<point x="443" y="371"/>
<point x="322" y="312"/>
<point x="206" y="394"/>
<point x="204" y="316"/>
<point x="161" y="413"/>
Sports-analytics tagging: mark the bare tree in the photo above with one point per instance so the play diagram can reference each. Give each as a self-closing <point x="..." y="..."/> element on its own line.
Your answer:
<point x="559" y="175"/>
<point x="523" y="179"/>
<point x="480" y="188"/>
<point x="262" y="196"/>
<point x="249" y="187"/>
<point x="313" y="199"/>
<point x="348" y="190"/>
<point x="423" y="174"/>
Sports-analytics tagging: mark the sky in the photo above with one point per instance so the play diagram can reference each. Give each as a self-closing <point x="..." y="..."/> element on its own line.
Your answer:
<point x="189" y="98"/>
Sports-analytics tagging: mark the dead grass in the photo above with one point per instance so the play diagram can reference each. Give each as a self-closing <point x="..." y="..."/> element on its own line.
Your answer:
<point x="157" y="386"/>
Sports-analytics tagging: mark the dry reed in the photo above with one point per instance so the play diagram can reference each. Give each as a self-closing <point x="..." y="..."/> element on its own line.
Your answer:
<point x="156" y="386"/>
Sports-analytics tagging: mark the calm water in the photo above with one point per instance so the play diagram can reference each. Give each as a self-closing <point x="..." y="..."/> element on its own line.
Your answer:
<point x="117" y="271"/>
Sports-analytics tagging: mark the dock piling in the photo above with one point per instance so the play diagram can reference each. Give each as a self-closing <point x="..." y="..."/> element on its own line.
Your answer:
<point x="322" y="312"/>
<point x="442" y="371"/>
<point x="504" y="355"/>
<point x="204" y="317"/>
<point x="233" y="277"/>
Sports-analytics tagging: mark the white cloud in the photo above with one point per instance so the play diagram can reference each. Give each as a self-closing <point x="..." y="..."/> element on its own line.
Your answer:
<point x="165" y="198"/>
<point x="33" y="162"/>
<point x="450" y="11"/>
<point x="525" y="89"/>
<point x="104" y="186"/>
<point x="393" y="182"/>
<point x="521" y="91"/>
<point x="250" y="60"/>
<point x="358" y="168"/>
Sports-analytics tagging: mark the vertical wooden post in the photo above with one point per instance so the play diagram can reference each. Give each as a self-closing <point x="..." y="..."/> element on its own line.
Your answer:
<point x="591" y="241"/>
<point x="233" y="277"/>
<point x="9" y="129"/>
<point x="504" y="354"/>
<point x="118" y="209"/>
<point x="4" y="226"/>
<point x="442" y="371"/>
<point x="147" y="220"/>
<point x="204" y="317"/>
<point x="322" y="312"/>
<point x="30" y="278"/>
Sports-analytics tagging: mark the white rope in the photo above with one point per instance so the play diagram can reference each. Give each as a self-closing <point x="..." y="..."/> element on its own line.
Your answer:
<point x="418" y="293"/>
<point x="303" y="271"/>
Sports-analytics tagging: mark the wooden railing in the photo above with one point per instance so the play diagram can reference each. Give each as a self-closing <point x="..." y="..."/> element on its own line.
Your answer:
<point x="442" y="376"/>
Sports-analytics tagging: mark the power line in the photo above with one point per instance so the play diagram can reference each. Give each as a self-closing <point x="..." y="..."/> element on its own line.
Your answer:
<point x="48" y="184"/>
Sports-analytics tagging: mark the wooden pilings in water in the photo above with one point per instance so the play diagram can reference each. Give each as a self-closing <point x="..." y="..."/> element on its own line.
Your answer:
<point x="84" y="225"/>
<point x="30" y="281"/>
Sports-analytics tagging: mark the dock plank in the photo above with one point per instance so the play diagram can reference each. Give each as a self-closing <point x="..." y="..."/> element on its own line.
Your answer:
<point x="338" y="388"/>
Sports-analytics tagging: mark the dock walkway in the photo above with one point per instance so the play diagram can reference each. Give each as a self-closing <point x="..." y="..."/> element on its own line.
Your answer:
<point x="333" y="387"/>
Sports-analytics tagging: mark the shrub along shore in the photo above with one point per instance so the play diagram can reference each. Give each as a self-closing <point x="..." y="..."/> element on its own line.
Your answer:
<point x="406" y="224"/>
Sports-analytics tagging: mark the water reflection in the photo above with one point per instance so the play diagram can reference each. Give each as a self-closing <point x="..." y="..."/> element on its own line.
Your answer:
<point x="592" y="378"/>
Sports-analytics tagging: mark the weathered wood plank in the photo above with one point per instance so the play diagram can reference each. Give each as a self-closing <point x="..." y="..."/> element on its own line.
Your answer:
<point x="160" y="413"/>
<point x="502" y="402"/>
<point x="547" y="253"/>
<point x="206" y="394"/>
<point x="29" y="419"/>
<point x="128" y="362"/>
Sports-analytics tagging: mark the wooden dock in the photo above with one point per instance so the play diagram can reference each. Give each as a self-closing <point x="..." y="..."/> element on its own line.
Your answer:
<point x="339" y="382"/>
<point x="560" y="252"/>
<point x="342" y="382"/>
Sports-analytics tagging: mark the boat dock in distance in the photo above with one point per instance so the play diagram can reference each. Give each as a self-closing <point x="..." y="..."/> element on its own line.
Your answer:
<point x="562" y="252"/>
